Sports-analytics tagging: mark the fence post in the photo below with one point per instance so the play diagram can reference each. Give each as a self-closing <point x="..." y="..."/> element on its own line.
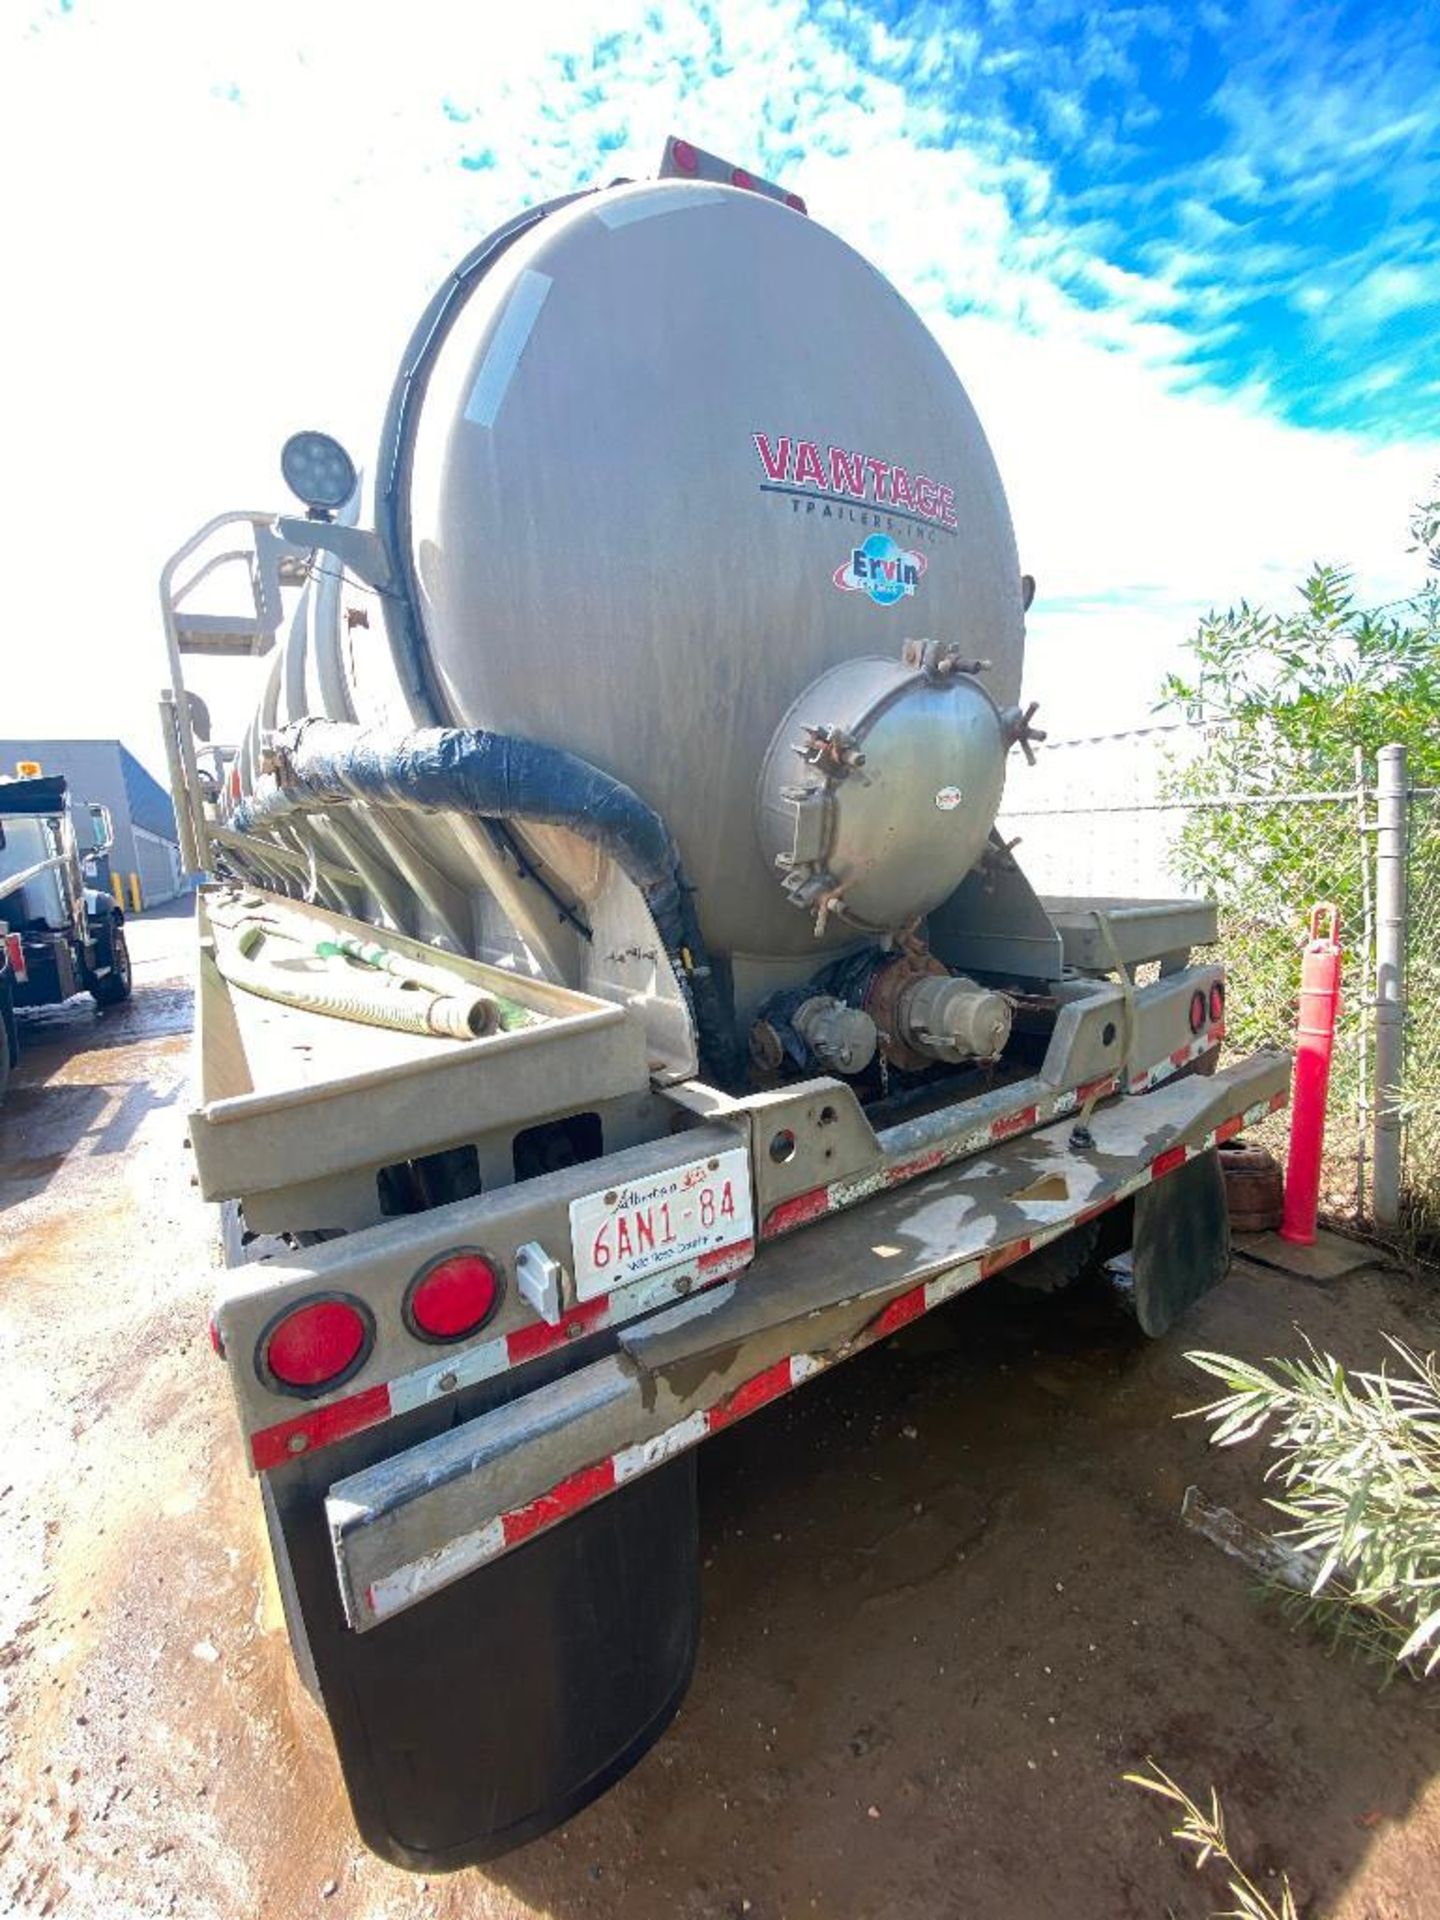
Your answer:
<point x="1364" y="961"/>
<point x="1391" y="796"/>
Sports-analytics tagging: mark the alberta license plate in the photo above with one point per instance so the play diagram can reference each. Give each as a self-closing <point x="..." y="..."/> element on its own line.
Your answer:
<point x="648" y="1226"/>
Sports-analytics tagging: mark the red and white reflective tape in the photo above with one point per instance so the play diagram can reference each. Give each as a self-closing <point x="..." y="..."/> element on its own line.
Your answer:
<point x="401" y="1588"/>
<point x="321" y="1426"/>
<point x="802" y="1208"/>
<point x="1181" y="1057"/>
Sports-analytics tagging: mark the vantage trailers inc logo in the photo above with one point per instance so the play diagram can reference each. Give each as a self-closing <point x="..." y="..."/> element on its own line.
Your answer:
<point x="843" y="475"/>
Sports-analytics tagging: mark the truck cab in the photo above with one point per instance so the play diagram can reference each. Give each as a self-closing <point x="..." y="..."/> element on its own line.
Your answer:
<point x="62" y="934"/>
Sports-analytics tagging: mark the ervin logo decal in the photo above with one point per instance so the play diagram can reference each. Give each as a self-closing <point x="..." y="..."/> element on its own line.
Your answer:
<point x="883" y="569"/>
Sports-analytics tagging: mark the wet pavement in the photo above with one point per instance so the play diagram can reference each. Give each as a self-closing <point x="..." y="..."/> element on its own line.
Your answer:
<point x="948" y="1600"/>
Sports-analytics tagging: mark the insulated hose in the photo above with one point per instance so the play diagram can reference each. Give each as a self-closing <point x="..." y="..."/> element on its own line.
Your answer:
<point x="325" y="763"/>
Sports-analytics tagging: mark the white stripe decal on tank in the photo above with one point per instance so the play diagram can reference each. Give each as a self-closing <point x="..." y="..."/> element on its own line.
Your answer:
<point x="502" y="357"/>
<point x="644" y="206"/>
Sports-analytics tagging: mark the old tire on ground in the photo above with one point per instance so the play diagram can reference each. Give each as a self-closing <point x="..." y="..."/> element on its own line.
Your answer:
<point x="1254" y="1191"/>
<point x="114" y="987"/>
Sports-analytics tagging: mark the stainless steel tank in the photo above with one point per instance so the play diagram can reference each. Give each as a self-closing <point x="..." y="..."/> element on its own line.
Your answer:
<point x="674" y="481"/>
<point x="683" y="454"/>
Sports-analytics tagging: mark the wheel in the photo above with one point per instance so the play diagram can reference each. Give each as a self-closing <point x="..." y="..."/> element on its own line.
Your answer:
<point x="1060" y="1263"/>
<point x="115" y="986"/>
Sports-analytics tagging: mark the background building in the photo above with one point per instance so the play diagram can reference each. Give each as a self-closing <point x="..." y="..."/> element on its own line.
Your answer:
<point x="105" y="771"/>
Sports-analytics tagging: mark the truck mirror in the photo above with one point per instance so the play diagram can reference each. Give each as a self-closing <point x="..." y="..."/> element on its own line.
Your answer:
<point x="102" y="831"/>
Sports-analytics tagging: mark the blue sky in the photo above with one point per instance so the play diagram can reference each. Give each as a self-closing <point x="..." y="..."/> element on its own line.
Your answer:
<point x="1253" y="186"/>
<point x="1185" y="258"/>
<point x="1261" y="180"/>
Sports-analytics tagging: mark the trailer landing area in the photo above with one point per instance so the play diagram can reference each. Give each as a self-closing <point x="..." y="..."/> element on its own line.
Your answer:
<point x="948" y="1600"/>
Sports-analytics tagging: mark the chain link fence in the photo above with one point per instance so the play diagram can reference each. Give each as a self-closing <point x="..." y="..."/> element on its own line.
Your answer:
<point x="1120" y="817"/>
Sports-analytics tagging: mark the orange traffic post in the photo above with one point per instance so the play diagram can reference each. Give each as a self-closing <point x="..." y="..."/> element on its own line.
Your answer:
<point x="1314" y="1045"/>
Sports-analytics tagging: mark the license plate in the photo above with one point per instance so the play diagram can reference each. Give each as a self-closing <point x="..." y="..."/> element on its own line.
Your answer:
<point x="648" y="1226"/>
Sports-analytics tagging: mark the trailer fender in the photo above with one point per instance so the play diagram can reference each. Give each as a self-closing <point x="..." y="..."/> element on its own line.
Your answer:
<point x="1181" y="1246"/>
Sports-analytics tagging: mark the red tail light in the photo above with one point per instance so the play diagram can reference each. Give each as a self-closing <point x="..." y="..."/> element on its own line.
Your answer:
<point x="685" y="156"/>
<point x="316" y="1345"/>
<point x="1197" y="1011"/>
<point x="453" y="1296"/>
<point x="740" y="178"/>
<point x="1217" y="1003"/>
<point x="794" y="200"/>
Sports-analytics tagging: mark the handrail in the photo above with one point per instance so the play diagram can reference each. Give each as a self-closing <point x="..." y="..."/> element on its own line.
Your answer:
<point x="190" y="806"/>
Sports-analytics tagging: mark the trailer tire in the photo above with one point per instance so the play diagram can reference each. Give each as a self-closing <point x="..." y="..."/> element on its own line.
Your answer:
<point x="1061" y="1263"/>
<point x="113" y="988"/>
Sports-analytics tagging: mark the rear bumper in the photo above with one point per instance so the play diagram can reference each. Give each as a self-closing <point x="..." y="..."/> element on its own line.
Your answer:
<point x="413" y="1523"/>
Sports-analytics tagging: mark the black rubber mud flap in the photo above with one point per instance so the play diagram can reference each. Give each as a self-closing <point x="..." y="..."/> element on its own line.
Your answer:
<point x="1182" y="1242"/>
<point x="501" y="1705"/>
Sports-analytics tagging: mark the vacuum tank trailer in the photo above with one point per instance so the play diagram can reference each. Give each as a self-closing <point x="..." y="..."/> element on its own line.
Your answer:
<point x="616" y="1005"/>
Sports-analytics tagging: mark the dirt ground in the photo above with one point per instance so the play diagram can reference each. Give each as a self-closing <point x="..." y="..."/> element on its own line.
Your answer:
<point x="948" y="1600"/>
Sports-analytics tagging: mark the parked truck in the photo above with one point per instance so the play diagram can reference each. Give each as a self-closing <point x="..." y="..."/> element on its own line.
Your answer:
<point x="60" y="934"/>
<point x="616" y="1005"/>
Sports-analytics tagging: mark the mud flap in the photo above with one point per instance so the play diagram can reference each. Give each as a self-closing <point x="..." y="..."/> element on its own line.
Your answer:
<point x="503" y="1704"/>
<point x="1181" y="1247"/>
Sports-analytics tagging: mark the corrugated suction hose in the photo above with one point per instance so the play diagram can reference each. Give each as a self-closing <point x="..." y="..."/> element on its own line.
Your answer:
<point x="319" y="764"/>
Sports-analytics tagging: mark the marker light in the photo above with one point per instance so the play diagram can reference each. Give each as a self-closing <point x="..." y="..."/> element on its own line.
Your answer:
<point x="1217" y="1003"/>
<point x="318" y="470"/>
<point x="684" y="156"/>
<point x="313" y="1347"/>
<point x="453" y="1296"/>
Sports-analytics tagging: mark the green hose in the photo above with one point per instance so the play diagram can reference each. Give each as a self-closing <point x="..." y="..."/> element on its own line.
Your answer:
<point x="509" y="1015"/>
<point x="394" y="997"/>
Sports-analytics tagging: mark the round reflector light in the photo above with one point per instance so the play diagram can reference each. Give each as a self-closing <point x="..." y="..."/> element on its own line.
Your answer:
<point x="794" y="200"/>
<point x="316" y="1345"/>
<point x="453" y="1296"/>
<point x="318" y="470"/>
<point x="1197" y="1011"/>
<point x="685" y="156"/>
<point x="1217" y="1002"/>
<point x="740" y="178"/>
